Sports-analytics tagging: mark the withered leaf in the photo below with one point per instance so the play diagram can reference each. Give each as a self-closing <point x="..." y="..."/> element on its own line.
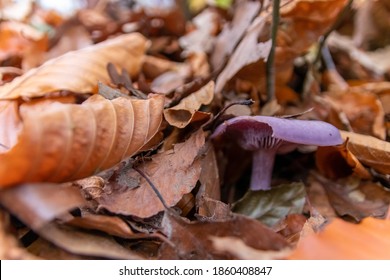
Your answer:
<point x="193" y="240"/>
<point x="85" y="243"/>
<point x="369" y="150"/>
<point x="10" y="249"/>
<point x="271" y="206"/>
<point x="64" y="142"/>
<point x="240" y="250"/>
<point x="109" y="224"/>
<point x="357" y="199"/>
<point x="341" y="240"/>
<point x="79" y="71"/>
<point x="233" y="32"/>
<point x="174" y="173"/>
<point x="38" y="204"/>
<point x="187" y="110"/>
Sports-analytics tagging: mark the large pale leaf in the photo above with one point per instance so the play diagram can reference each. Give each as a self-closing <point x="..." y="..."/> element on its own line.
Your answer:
<point x="79" y="71"/>
<point x="62" y="142"/>
<point x="369" y="150"/>
<point x="271" y="206"/>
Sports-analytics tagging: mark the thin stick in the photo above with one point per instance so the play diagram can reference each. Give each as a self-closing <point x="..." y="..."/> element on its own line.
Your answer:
<point x="336" y="25"/>
<point x="270" y="69"/>
<point x="156" y="191"/>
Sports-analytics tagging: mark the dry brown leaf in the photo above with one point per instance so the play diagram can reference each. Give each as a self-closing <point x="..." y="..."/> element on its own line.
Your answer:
<point x="241" y="251"/>
<point x="64" y="142"/>
<point x="369" y="150"/>
<point x="363" y="111"/>
<point x="231" y="34"/>
<point x="187" y="110"/>
<point x="10" y="249"/>
<point x="19" y="39"/>
<point x="174" y="173"/>
<point x="79" y="71"/>
<point x="337" y="162"/>
<point x="202" y="38"/>
<point x="247" y="52"/>
<point x="38" y="204"/>
<point x="346" y="241"/>
<point x="109" y="224"/>
<point x="86" y="243"/>
<point x="357" y="199"/>
<point x="193" y="240"/>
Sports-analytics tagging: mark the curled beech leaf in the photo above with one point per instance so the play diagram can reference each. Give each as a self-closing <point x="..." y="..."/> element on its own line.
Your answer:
<point x="79" y="71"/>
<point x="61" y="142"/>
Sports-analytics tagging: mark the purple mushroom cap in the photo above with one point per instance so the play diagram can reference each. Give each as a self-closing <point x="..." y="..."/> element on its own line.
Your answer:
<point x="266" y="136"/>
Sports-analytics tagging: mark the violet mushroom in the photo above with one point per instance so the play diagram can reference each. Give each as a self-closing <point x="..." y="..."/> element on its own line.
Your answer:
<point x="267" y="136"/>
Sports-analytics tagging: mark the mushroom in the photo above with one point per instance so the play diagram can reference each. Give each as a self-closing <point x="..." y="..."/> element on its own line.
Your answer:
<point x="266" y="136"/>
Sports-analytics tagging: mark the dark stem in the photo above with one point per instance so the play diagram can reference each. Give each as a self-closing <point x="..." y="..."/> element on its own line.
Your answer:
<point x="4" y="146"/>
<point x="262" y="166"/>
<point x="156" y="191"/>
<point x="336" y="24"/>
<point x="270" y="69"/>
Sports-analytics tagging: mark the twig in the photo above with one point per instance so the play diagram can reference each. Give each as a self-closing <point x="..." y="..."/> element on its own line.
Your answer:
<point x="270" y="69"/>
<point x="156" y="191"/>
<point x="211" y="123"/>
<point x="335" y="25"/>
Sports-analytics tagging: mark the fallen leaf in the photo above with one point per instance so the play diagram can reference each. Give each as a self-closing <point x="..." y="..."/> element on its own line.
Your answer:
<point x="247" y="52"/>
<point x="363" y="110"/>
<point x="201" y="38"/>
<point x="340" y="240"/>
<point x="357" y="199"/>
<point x="174" y="173"/>
<point x="109" y="224"/>
<point x="188" y="109"/>
<point x="64" y="142"/>
<point x="85" y="243"/>
<point x="19" y="39"/>
<point x="369" y="150"/>
<point x="38" y="204"/>
<point x="79" y="71"/>
<point x="244" y="13"/>
<point x="291" y="227"/>
<point x="193" y="240"/>
<point x="271" y="206"/>
<point x="337" y="162"/>
<point x="241" y="251"/>
<point x="10" y="248"/>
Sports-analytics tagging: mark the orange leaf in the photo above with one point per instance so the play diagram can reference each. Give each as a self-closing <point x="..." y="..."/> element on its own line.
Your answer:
<point x="63" y="142"/>
<point x="369" y="150"/>
<point x="187" y="110"/>
<point x="343" y="240"/>
<point x="79" y="71"/>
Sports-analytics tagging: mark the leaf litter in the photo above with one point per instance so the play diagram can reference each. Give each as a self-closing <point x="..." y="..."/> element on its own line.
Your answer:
<point x="106" y="117"/>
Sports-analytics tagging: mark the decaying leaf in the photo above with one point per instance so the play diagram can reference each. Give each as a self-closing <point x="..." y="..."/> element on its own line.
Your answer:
<point x="193" y="240"/>
<point x="357" y="199"/>
<point x="10" y="249"/>
<point x="232" y="33"/>
<point x="240" y="250"/>
<point x="64" y="142"/>
<point x="271" y="206"/>
<point x="38" y="204"/>
<point x="174" y="173"/>
<point x="188" y="108"/>
<point x="342" y="240"/>
<point x="369" y="150"/>
<point x="85" y="243"/>
<point x="79" y="71"/>
<point x="337" y="162"/>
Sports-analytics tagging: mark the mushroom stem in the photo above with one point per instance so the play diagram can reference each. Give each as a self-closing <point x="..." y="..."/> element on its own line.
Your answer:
<point x="262" y="166"/>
